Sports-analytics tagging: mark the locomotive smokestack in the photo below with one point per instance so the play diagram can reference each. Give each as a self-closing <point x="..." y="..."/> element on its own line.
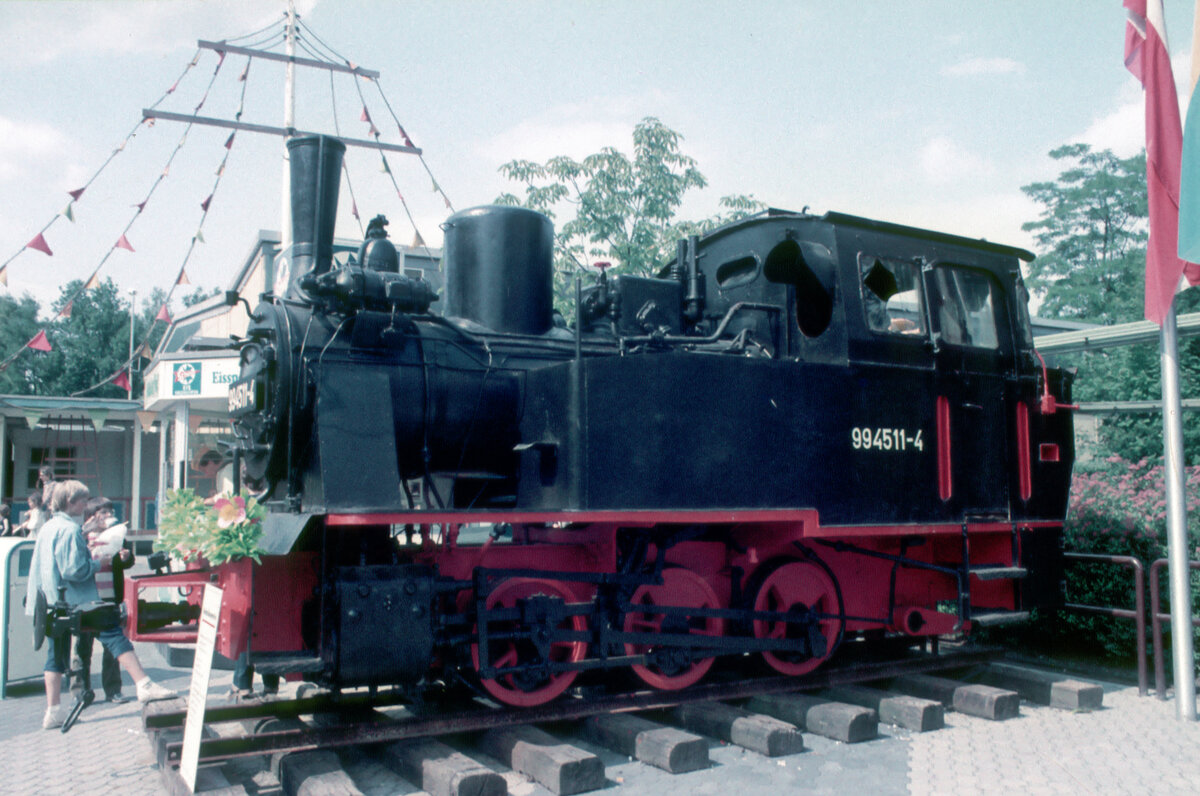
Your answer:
<point x="316" y="174"/>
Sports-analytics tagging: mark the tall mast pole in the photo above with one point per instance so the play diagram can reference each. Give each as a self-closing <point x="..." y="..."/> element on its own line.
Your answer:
<point x="289" y="124"/>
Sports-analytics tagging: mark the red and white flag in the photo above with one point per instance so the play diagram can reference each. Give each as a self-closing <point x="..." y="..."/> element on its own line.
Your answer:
<point x="1147" y="57"/>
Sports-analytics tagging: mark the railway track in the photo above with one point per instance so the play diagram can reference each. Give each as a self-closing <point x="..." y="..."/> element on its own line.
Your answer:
<point x="344" y="739"/>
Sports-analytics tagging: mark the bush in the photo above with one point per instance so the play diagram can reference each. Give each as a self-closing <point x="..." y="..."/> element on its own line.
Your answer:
<point x="1119" y="508"/>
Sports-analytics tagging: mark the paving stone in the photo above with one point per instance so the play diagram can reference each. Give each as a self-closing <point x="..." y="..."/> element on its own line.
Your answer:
<point x="835" y="720"/>
<point x="900" y="710"/>
<point x="668" y="748"/>
<point x="562" y="768"/>
<point x="763" y="734"/>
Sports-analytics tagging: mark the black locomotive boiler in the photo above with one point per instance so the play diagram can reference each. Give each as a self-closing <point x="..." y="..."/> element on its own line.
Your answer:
<point x="803" y="430"/>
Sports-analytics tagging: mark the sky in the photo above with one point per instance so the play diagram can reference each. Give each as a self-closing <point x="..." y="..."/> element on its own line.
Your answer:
<point x="932" y="114"/>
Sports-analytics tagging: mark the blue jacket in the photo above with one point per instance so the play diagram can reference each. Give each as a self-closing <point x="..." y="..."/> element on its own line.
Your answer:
<point x="61" y="558"/>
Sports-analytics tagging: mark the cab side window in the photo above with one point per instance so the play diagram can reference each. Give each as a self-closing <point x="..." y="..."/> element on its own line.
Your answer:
<point x="966" y="307"/>
<point x="891" y="291"/>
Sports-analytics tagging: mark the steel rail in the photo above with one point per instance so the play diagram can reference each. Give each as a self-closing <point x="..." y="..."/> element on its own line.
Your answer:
<point x="476" y="719"/>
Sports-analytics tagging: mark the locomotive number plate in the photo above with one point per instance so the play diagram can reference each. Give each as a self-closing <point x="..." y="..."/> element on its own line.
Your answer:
<point x="886" y="439"/>
<point x="244" y="397"/>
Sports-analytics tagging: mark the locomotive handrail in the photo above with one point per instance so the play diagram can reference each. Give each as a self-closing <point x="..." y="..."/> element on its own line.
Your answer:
<point x="1156" y="619"/>
<point x="1138" y="614"/>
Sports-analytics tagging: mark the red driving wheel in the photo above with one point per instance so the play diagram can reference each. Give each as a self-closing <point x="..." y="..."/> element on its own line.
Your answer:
<point x="798" y="585"/>
<point x="680" y="588"/>
<point x="519" y="688"/>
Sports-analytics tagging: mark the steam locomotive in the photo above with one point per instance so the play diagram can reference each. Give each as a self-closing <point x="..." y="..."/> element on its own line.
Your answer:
<point x="804" y="431"/>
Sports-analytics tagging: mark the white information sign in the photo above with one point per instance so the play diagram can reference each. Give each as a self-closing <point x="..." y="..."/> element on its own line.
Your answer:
<point x="206" y="642"/>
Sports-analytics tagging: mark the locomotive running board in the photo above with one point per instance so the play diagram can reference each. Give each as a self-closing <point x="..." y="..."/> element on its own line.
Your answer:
<point x="476" y="719"/>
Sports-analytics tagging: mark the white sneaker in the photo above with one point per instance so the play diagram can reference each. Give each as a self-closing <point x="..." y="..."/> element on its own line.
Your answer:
<point x="148" y="691"/>
<point x="54" y="717"/>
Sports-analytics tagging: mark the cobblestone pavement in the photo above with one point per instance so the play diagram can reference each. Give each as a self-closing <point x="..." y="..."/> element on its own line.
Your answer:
<point x="106" y="752"/>
<point x="1133" y="745"/>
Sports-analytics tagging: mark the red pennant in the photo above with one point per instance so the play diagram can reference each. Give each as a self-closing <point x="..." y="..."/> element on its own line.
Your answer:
<point x="171" y="90"/>
<point x="121" y="379"/>
<point x="354" y="208"/>
<point x="404" y="135"/>
<point x="182" y="279"/>
<point x="40" y="342"/>
<point x="163" y="315"/>
<point x="374" y="130"/>
<point x="400" y="195"/>
<point x="39" y="243"/>
<point x="78" y="192"/>
<point x="447" y="201"/>
<point x="4" y="275"/>
<point x="366" y="117"/>
<point x="205" y="203"/>
<point x="220" y="58"/>
<point x="123" y="243"/>
<point x="94" y="281"/>
<point x="229" y="141"/>
<point x="140" y="206"/>
<point x="353" y="66"/>
<point x="65" y="312"/>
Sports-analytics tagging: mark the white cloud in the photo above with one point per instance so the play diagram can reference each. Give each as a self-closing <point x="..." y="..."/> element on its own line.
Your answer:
<point x="24" y="146"/>
<point x="984" y="66"/>
<point x="44" y="32"/>
<point x="574" y="129"/>
<point x="944" y="161"/>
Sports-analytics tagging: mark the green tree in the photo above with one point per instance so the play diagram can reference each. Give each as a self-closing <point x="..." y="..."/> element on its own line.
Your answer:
<point x="18" y="325"/>
<point x="617" y="209"/>
<point x="1091" y="237"/>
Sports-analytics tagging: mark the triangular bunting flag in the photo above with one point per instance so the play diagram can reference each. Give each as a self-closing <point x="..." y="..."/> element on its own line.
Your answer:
<point x="174" y="86"/>
<point x="145" y="351"/>
<point x="229" y="143"/>
<point x="384" y="166"/>
<point x="78" y="192"/>
<point x="220" y="58"/>
<point x="194" y="422"/>
<point x="404" y="135"/>
<point x="69" y="213"/>
<point x="436" y="188"/>
<point x="122" y="381"/>
<point x="4" y="275"/>
<point x="40" y="343"/>
<point x="146" y="419"/>
<point x="366" y="117"/>
<point x="32" y="418"/>
<point x="65" y="312"/>
<point x="354" y="209"/>
<point x="418" y="241"/>
<point x="39" y="243"/>
<point x="123" y="243"/>
<point x="93" y="281"/>
<point x="353" y="66"/>
<point x="246" y="71"/>
<point x="183" y="280"/>
<point x="199" y="239"/>
<point x="141" y="205"/>
<point x="204" y="205"/>
<point x="166" y="172"/>
<point x="163" y="315"/>
<point x="446" y="200"/>
<point x="98" y="416"/>
<point x="374" y="130"/>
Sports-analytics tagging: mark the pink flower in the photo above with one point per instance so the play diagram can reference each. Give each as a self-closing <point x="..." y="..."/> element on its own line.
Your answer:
<point x="230" y="512"/>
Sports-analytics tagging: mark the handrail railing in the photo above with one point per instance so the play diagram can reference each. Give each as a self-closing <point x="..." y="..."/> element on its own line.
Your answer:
<point x="1138" y="614"/>
<point x="1156" y="619"/>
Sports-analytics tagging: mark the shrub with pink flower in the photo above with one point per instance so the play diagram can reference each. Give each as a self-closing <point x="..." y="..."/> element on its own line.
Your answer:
<point x="191" y="530"/>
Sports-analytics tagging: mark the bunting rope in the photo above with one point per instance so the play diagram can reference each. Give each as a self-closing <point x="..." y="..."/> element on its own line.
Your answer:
<point x="181" y="276"/>
<point x="337" y="129"/>
<point x="38" y="242"/>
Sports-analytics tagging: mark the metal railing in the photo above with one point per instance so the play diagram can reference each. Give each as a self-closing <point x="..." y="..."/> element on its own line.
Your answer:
<point x="1157" y="618"/>
<point x="1138" y="614"/>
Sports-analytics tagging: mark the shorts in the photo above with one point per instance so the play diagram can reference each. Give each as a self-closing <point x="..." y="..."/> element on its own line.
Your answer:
<point x="57" y="654"/>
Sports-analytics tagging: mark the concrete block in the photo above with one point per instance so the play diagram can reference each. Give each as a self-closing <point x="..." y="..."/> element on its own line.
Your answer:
<point x="668" y="748"/>
<point x="440" y="770"/>
<point x="835" y="720"/>
<point x="983" y="701"/>
<point x="315" y="773"/>
<point x="763" y="734"/>
<point x="1044" y="688"/>
<point x="899" y="710"/>
<point x="562" y="768"/>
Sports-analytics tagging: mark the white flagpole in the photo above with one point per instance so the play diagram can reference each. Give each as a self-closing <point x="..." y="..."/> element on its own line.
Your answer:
<point x="1177" y="548"/>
